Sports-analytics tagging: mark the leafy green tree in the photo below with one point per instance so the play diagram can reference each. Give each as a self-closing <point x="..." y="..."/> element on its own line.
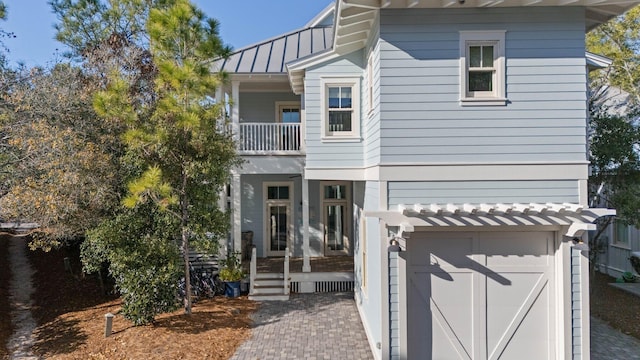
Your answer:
<point x="615" y="175"/>
<point x="619" y="40"/>
<point x="84" y="25"/>
<point x="616" y="163"/>
<point x="180" y="141"/>
<point x="614" y="131"/>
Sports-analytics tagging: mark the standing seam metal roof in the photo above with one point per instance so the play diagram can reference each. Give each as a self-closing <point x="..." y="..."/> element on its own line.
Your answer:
<point x="272" y="56"/>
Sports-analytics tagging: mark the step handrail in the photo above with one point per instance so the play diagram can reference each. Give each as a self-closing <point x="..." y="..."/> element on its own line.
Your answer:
<point x="252" y="270"/>
<point x="286" y="271"/>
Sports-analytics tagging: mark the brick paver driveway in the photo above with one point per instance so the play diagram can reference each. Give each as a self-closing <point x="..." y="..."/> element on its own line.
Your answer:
<point x="308" y="326"/>
<point x="610" y="344"/>
<point x="327" y="326"/>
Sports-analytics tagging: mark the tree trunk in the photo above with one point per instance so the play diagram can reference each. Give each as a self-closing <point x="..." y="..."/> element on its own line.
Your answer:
<point x="187" y="272"/>
<point x="185" y="242"/>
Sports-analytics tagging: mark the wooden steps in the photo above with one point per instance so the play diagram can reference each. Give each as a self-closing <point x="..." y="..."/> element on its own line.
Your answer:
<point x="269" y="287"/>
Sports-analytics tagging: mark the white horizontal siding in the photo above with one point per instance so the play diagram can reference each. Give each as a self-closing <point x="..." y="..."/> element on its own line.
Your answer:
<point x="421" y="118"/>
<point x="459" y="192"/>
<point x="331" y="154"/>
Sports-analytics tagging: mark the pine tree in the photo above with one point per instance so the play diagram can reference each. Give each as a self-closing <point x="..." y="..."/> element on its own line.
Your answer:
<point x="181" y="142"/>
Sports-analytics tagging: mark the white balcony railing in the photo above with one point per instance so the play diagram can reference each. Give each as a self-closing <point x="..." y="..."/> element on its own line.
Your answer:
<point x="269" y="138"/>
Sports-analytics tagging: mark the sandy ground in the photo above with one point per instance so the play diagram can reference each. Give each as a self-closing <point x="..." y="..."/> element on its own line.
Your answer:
<point x="20" y="292"/>
<point x="70" y="312"/>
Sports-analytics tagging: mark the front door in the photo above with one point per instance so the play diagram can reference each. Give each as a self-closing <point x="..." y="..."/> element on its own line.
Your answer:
<point x="336" y="217"/>
<point x="278" y="223"/>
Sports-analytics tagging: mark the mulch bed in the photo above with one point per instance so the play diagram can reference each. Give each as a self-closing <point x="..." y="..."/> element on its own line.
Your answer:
<point x="5" y="311"/>
<point x="70" y="310"/>
<point x="616" y="307"/>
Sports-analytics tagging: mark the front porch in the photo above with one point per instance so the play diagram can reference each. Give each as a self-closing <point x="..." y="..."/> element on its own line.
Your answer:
<point x="274" y="278"/>
<point x="318" y="264"/>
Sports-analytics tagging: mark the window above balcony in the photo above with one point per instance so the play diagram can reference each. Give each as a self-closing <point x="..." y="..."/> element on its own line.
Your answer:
<point x="340" y="109"/>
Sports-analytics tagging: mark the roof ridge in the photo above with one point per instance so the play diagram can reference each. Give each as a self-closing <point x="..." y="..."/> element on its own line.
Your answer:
<point x="281" y="36"/>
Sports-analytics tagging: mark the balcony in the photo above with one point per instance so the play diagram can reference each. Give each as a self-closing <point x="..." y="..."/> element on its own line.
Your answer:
<point x="269" y="139"/>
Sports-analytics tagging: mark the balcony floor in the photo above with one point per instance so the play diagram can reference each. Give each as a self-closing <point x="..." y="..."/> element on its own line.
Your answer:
<point x="318" y="264"/>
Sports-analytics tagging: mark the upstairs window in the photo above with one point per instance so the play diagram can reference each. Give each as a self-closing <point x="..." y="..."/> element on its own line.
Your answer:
<point x="341" y="113"/>
<point x="482" y="68"/>
<point x="340" y="109"/>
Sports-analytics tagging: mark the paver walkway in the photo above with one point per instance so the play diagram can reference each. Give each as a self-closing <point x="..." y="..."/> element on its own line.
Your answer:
<point x="20" y="291"/>
<point x="608" y="343"/>
<point x="308" y="326"/>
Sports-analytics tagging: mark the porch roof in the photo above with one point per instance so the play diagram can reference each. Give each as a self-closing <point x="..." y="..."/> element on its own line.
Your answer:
<point x="577" y="218"/>
<point x="271" y="56"/>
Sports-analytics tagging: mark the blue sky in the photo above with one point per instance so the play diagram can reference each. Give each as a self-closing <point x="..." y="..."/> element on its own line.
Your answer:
<point x="242" y="22"/>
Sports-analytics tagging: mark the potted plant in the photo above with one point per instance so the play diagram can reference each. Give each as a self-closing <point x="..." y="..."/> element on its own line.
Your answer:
<point x="231" y="273"/>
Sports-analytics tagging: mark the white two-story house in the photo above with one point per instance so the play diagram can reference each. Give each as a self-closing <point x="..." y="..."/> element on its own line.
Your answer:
<point x="438" y="148"/>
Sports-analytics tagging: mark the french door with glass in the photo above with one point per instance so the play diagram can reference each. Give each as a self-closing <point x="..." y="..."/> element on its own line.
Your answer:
<point x="278" y="231"/>
<point x="336" y="217"/>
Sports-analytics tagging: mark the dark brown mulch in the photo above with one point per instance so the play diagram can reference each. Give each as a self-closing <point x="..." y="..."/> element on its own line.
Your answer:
<point x="5" y="311"/>
<point x="616" y="307"/>
<point x="70" y="313"/>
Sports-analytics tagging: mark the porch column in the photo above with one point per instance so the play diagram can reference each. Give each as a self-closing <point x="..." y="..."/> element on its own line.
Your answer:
<point x="306" y="264"/>
<point x="303" y="125"/>
<point x="235" y="109"/>
<point x="237" y="216"/>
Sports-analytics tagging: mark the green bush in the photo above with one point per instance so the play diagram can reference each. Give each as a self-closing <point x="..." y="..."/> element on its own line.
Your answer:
<point x="231" y="269"/>
<point x="143" y="259"/>
<point x="628" y="277"/>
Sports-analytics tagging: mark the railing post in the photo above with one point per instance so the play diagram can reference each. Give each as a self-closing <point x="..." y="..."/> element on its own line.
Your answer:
<point x="252" y="270"/>
<point x="286" y="271"/>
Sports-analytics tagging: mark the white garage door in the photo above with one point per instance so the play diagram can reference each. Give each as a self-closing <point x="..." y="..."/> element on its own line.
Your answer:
<point x="481" y="295"/>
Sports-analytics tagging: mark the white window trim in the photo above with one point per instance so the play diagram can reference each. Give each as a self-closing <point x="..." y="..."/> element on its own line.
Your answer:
<point x="265" y="216"/>
<point x="370" y="84"/>
<point x="287" y="104"/>
<point x="499" y="95"/>
<point x="354" y="134"/>
<point x="348" y="216"/>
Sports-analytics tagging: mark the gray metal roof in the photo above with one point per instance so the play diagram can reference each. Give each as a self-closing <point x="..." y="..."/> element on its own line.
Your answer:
<point x="272" y="56"/>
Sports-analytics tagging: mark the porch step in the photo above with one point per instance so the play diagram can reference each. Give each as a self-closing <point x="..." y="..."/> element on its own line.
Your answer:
<point x="269" y="297"/>
<point x="268" y="287"/>
<point x="269" y="275"/>
<point x="276" y="282"/>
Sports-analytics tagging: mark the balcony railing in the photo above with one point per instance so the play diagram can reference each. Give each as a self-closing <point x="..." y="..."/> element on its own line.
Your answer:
<point x="269" y="138"/>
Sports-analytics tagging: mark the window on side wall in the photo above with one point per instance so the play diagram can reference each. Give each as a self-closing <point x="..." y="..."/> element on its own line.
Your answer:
<point x="621" y="234"/>
<point x="370" y="83"/>
<point x="341" y="109"/>
<point x="482" y="68"/>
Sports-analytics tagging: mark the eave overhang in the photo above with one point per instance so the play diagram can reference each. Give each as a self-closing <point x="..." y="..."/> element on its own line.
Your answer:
<point x="574" y="218"/>
<point x="597" y="11"/>
<point x="354" y="20"/>
<point x="595" y="61"/>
